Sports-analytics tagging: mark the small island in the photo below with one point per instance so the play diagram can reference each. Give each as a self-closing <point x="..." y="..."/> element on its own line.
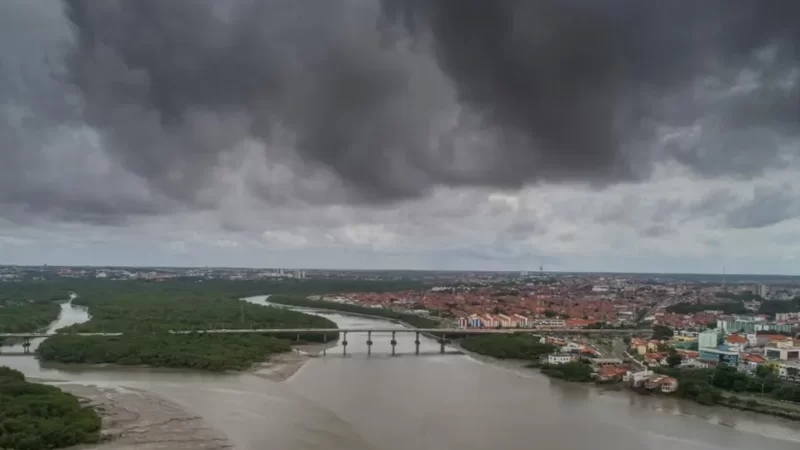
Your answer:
<point x="146" y="320"/>
<point x="36" y="416"/>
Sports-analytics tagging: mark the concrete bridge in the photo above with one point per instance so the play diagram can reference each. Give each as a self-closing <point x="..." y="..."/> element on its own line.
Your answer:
<point x="440" y="334"/>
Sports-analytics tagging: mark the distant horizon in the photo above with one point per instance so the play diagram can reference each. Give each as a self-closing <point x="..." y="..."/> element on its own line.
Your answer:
<point x="530" y="272"/>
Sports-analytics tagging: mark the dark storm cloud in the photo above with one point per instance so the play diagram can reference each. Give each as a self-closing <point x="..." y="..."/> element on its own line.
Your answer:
<point x="542" y="90"/>
<point x="586" y="81"/>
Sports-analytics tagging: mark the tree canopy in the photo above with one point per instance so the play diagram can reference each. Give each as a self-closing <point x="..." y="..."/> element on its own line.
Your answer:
<point x="146" y="312"/>
<point x="508" y="346"/>
<point x="36" y="416"/>
<point x="661" y="332"/>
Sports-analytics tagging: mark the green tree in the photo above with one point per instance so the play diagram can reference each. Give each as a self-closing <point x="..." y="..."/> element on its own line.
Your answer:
<point x="705" y="398"/>
<point x="661" y="332"/>
<point x="674" y="359"/>
<point x="35" y="416"/>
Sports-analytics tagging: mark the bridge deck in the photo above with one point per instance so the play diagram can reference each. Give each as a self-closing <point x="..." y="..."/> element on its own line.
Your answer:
<point x="437" y="331"/>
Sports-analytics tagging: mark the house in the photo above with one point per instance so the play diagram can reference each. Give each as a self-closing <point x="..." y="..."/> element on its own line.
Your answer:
<point x="471" y="321"/>
<point x="504" y="321"/>
<point x="655" y="359"/>
<point x="785" y="349"/>
<point x="737" y="342"/>
<point x="789" y="370"/>
<point x="611" y="373"/>
<point x="571" y="347"/>
<point x="559" y="358"/>
<point x="522" y="321"/>
<point x="549" y="323"/>
<point x="639" y="346"/>
<point x="669" y="385"/>
<point x="751" y="361"/>
<point x="607" y="362"/>
<point x="489" y="321"/>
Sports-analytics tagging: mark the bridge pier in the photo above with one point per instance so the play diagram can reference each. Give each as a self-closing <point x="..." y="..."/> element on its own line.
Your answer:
<point x="325" y="342"/>
<point x="369" y="343"/>
<point x="344" y="344"/>
<point x="441" y="345"/>
<point x="394" y="343"/>
<point x="416" y="343"/>
<point x="26" y="346"/>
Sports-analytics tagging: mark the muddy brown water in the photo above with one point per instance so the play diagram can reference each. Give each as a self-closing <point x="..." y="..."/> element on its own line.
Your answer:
<point x="434" y="402"/>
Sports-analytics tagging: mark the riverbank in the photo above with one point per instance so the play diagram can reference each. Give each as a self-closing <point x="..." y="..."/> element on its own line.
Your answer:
<point x="282" y="366"/>
<point x="134" y="419"/>
<point x="412" y="320"/>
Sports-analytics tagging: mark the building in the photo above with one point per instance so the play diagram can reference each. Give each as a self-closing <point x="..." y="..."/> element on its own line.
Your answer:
<point x="786" y="317"/>
<point x="784" y="350"/>
<point x="750" y="362"/>
<point x="708" y="339"/>
<point x="761" y="290"/>
<point x="751" y="325"/>
<point x="716" y="356"/>
<point x="606" y="362"/>
<point x="559" y="358"/>
<point x="789" y="370"/>
<point x="737" y="342"/>
<point x="669" y="385"/>
<point x="548" y="323"/>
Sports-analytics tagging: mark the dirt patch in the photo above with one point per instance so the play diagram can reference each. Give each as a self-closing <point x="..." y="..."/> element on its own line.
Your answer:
<point x="282" y="366"/>
<point x="135" y="419"/>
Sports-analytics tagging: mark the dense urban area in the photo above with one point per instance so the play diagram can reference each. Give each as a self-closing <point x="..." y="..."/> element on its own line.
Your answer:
<point x="727" y="340"/>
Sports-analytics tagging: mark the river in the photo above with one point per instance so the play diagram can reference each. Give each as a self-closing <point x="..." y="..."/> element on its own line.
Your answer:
<point x="431" y="402"/>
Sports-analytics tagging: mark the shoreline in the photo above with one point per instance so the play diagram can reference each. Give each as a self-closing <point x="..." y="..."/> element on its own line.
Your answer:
<point x="136" y="419"/>
<point x="283" y="366"/>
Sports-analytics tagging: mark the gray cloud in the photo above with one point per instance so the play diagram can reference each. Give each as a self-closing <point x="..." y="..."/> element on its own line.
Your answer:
<point x="439" y="93"/>
<point x="769" y="205"/>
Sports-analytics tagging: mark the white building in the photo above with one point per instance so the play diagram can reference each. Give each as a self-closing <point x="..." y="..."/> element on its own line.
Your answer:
<point x="559" y="358"/>
<point x="785" y="317"/>
<point x="707" y="339"/>
<point x="789" y="370"/>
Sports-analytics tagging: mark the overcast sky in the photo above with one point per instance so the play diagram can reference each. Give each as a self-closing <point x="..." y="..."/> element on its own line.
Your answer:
<point x="612" y="135"/>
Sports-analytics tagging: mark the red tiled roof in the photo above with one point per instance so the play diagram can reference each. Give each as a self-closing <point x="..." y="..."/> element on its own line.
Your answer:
<point x="736" y="339"/>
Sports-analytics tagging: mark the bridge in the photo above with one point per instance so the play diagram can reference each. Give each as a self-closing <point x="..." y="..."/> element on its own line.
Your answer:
<point x="440" y="334"/>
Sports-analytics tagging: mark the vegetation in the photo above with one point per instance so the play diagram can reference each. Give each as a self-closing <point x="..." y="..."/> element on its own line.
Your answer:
<point x="727" y="307"/>
<point x="706" y="385"/>
<point x="674" y="359"/>
<point x="733" y="304"/>
<point x="740" y="296"/>
<point x="575" y="371"/>
<point x="195" y="351"/>
<point x="414" y="320"/>
<point x="772" y="307"/>
<point x="27" y="307"/>
<point x="160" y="312"/>
<point x="661" y="332"/>
<point x="146" y="313"/>
<point x="35" y="416"/>
<point x="508" y="346"/>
